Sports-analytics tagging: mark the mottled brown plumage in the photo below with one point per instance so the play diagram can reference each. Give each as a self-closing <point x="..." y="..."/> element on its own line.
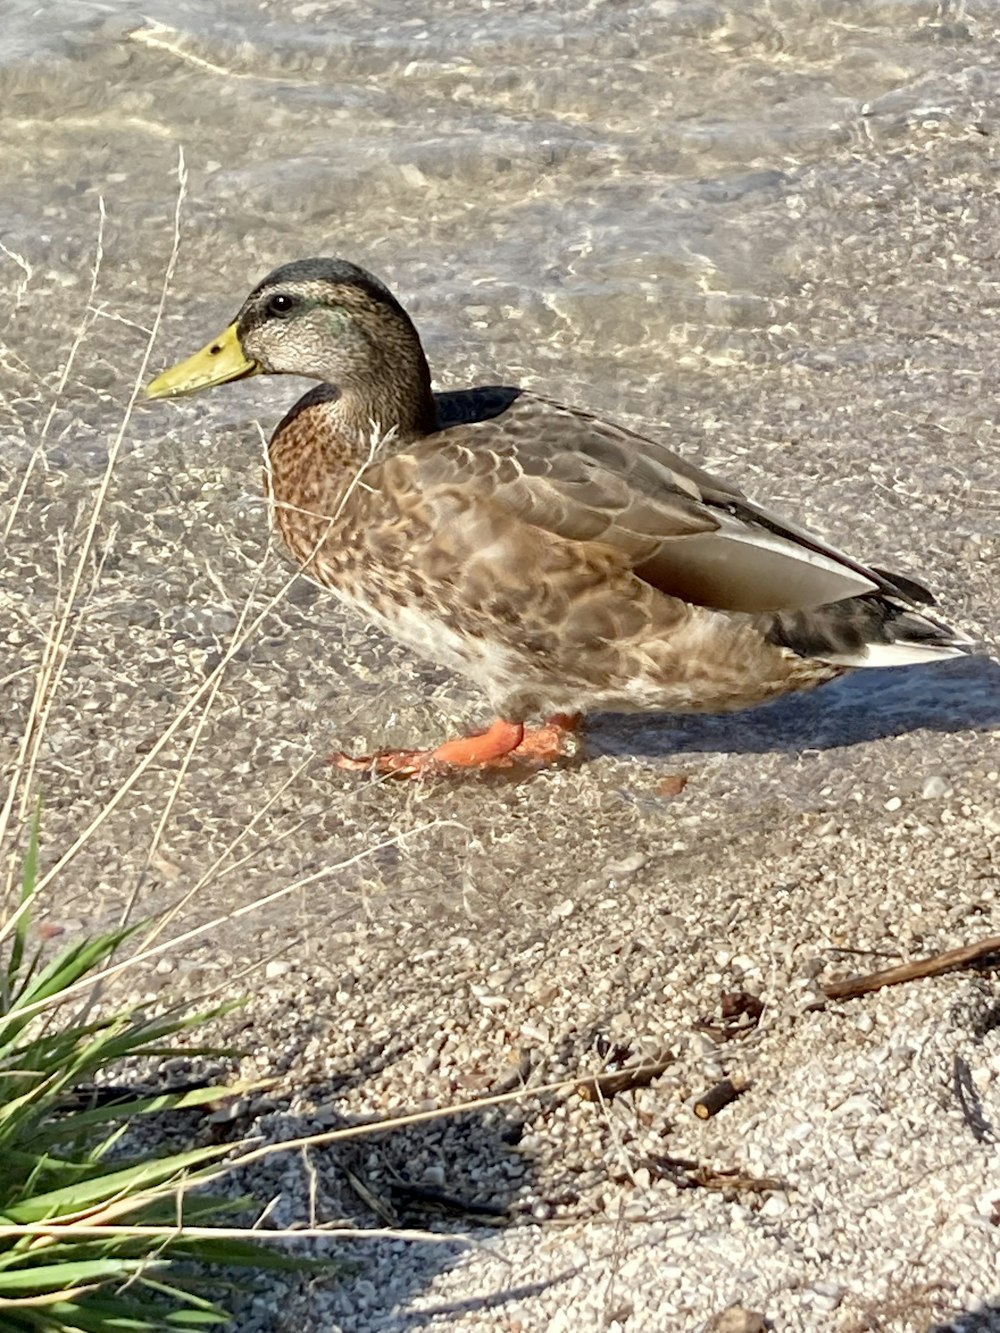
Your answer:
<point x="565" y="564"/>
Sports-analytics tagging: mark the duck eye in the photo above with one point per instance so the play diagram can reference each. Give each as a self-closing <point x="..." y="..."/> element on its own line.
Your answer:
<point x="280" y="304"/>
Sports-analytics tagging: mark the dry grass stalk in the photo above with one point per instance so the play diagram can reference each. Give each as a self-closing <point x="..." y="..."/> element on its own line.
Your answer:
<point x="55" y="656"/>
<point x="78" y="570"/>
<point x="331" y="1231"/>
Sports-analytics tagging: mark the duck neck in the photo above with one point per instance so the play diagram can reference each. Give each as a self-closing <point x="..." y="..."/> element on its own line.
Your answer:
<point x="394" y="396"/>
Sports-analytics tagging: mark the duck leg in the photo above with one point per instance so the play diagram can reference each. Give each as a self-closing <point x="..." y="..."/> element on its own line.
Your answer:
<point x="502" y="745"/>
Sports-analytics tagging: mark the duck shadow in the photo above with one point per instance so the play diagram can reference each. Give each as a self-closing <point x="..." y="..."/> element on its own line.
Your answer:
<point x="986" y="1319"/>
<point x="460" y="1178"/>
<point x="960" y="695"/>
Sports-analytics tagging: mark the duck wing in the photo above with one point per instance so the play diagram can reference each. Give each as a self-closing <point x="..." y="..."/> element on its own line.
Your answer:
<point x="683" y="531"/>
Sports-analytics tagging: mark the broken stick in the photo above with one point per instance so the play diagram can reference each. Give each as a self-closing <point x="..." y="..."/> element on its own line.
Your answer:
<point x="851" y="987"/>
<point x="597" y="1086"/>
<point x="712" y="1102"/>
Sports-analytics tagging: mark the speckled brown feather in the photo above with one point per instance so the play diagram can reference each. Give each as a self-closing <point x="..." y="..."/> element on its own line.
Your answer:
<point x="423" y="546"/>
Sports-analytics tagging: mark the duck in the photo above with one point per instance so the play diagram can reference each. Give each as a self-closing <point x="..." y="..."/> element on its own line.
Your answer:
<point x="563" y="563"/>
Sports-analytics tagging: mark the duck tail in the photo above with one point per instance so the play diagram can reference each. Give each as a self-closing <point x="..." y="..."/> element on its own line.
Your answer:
<point x="882" y="629"/>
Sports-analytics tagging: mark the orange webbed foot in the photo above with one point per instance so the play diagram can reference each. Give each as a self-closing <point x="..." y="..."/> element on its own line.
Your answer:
<point x="486" y="749"/>
<point x="501" y="746"/>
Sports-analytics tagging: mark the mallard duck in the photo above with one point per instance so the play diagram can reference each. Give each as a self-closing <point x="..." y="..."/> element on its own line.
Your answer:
<point x="563" y="563"/>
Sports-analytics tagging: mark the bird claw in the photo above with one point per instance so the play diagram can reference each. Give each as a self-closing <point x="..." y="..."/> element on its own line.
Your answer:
<point x="387" y="763"/>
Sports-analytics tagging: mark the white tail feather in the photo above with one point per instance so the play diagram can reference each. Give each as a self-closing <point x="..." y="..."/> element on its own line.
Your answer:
<point x="894" y="655"/>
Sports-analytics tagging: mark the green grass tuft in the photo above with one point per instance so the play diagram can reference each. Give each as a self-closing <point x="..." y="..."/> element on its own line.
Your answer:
<point x="63" y="1167"/>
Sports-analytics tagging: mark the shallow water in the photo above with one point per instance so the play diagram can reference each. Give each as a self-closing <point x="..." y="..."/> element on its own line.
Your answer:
<point x="603" y="177"/>
<point x="757" y="228"/>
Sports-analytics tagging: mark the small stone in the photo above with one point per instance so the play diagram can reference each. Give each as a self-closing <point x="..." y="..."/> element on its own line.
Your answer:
<point x="737" y="1319"/>
<point x="363" y="1291"/>
<point x="742" y="963"/>
<point x="833" y="1290"/>
<point x="535" y="1032"/>
<point x="935" y="788"/>
<point x="618" y="871"/>
<point x="564" y="909"/>
<point x="412" y="175"/>
<point x="170" y="870"/>
<point x="811" y="996"/>
<point x="827" y="1296"/>
<point x="429" y="1061"/>
<point x="164" y="967"/>
<point x="776" y="1205"/>
<point x="276" y="968"/>
<point x="893" y="803"/>
<point x="228" y="1112"/>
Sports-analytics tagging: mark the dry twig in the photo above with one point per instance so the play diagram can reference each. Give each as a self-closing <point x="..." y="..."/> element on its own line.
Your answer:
<point x="948" y="961"/>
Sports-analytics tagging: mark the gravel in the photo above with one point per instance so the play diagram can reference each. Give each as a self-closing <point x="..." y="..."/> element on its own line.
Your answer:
<point x="774" y="240"/>
<point x="854" y="1184"/>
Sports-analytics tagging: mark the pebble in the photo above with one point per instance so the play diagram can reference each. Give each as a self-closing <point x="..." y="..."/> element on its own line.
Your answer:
<point x="826" y="1296"/>
<point x="936" y="788"/>
<point x="737" y="1319"/>
<point x="833" y="1291"/>
<point x="619" y="871"/>
<point x="775" y="1205"/>
<point x="276" y="968"/>
<point x="535" y="1032"/>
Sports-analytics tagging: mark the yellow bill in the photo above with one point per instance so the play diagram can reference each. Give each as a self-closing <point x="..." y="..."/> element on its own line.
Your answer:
<point x="222" y="360"/>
